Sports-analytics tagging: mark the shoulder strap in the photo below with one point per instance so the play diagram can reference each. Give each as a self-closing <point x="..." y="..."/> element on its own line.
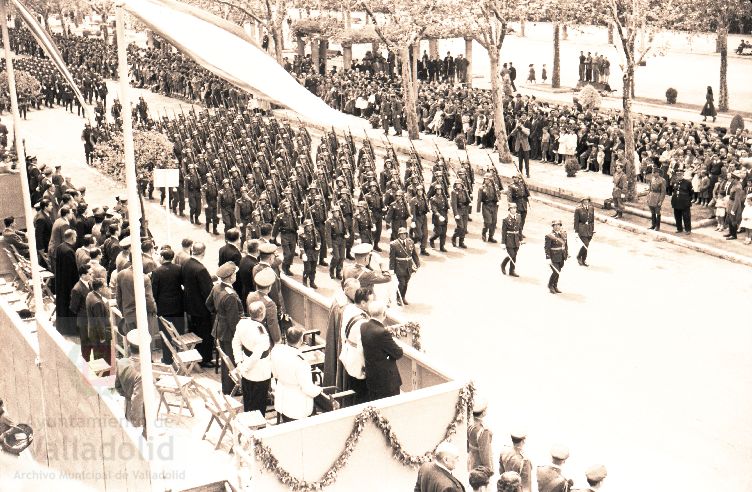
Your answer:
<point x="352" y="322"/>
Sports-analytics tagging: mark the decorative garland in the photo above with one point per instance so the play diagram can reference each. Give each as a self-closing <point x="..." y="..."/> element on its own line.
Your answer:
<point x="265" y="457"/>
<point x="411" y="328"/>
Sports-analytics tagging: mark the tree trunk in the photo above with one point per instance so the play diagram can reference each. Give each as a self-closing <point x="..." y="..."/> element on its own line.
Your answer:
<point x="718" y="40"/>
<point x="497" y="88"/>
<point x="522" y="28"/>
<point x="346" y="56"/>
<point x="301" y="46"/>
<point x="408" y="96"/>
<point x="556" y="71"/>
<point x="433" y="48"/>
<point x="469" y="57"/>
<point x="610" y="33"/>
<point x="414" y="65"/>
<point x="277" y="40"/>
<point x="723" y="95"/>
<point x="375" y="47"/>
<point x="323" y="59"/>
<point x="629" y="142"/>
<point x="149" y="38"/>
<point x="315" y="54"/>
<point x="348" y="20"/>
<point x="564" y="32"/>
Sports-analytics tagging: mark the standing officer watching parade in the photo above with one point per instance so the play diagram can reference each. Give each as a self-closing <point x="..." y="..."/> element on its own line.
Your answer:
<point x="224" y="303"/>
<point x="595" y="476"/>
<point x="584" y="226"/>
<point x="549" y="477"/>
<point x="557" y="252"/>
<point x="512" y="459"/>
<point x="479" y="438"/>
<point x="511" y="238"/>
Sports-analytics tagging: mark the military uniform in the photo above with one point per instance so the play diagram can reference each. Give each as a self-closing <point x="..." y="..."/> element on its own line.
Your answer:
<point x="376" y="206"/>
<point x="519" y="195"/>
<point x="550" y="479"/>
<point x="364" y="225"/>
<point x="211" y="195"/>
<point x="584" y="225"/>
<point x="402" y="259"/>
<point x="419" y="209"/>
<point x="286" y="225"/>
<point x="310" y="245"/>
<point x="511" y="237"/>
<point x="461" y="208"/>
<point x="193" y="185"/>
<point x="227" y="206"/>
<point x="439" y="211"/>
<point x="397" y="214"/>
<point x="557" y="251"/>
<point x="488" y="204"/>
<point x="346" y="206"/>
<point x="318" y="215"/>
<point x="512" y="459"/>
<point x="479" y="449"/>
<point x="244" y="213"/>
<point x="224" y="304"/>
<point x="336" y="232"/>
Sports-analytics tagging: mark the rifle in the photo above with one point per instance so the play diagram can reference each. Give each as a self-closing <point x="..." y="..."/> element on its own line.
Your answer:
<point x="417" y="158"/>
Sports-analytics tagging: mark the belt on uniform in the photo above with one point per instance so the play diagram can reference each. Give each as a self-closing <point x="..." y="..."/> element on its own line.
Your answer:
<point x="404" y="259"/>
<point x="249" y="353"/>
<point x="556" y="248"/>
<point x="490" y="203"/>
<point x="512" y="232"/>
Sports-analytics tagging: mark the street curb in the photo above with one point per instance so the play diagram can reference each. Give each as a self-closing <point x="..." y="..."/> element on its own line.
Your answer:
<point x="656" y="235"/>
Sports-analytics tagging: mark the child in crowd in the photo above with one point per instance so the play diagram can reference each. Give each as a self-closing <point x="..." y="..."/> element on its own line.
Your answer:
<point x="721" y="200"/>
<point x="545" y="145"/>
<point x="695" y="185"/>
<point x="747" y="218"/>
<point x="704" y="197"/>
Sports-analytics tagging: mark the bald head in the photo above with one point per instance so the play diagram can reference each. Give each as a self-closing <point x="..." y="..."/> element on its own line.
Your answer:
<point x="377" y="310"/>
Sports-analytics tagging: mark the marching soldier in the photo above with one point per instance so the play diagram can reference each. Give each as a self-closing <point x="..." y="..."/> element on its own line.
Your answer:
<point x="519" y="194"/>
<point x="619" y="191"/>
<point x="178" y="198"/>
<point x="253" y="230"/>
<point x="461" y="208"/>
<point x="211" y="195"/>
<point x="346" y="207"/>
<point x="286" y="225"/>
<point x="227" y="205"/>
<point x="336" y="236"/>
<point x="557" y="252"/>
<point x="549" y="477"/>
<point x="419" y="209"/>
<point x="193" y="185"/>
<point x="265" y="209"/>
<point x="243" y="213"/>
<point x="488" y="201"/>
<point x="398" y="213"/>
<point x="363" y="223"/>
<point x="310" y="244"/>
<point x="595" y="476"/>
<point x="403" y="260"/>
<point x="584" y="226"/>
<point x="511" y="238"/>
<point x="439" y="213"/>
<point x="512" y="459"/>
<point x="317" y="213"/>
<point x="376" y="205"/>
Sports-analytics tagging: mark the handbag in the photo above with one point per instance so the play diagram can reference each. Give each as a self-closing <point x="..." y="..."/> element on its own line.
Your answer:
<point x="351" y="355"/>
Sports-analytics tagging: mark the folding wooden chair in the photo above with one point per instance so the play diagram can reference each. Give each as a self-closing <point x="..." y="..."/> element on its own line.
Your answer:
<point x="99" y="367"/>
<point x="231" y="370"/>
<point x="168" y="382"/>
<point x="222" y="408"/>
<point x="183" y="361"/>
<point x="181" y="342"/>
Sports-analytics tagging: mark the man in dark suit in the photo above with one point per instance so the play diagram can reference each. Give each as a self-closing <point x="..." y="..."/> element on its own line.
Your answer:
<point x="167" y="288"/>
<point x="512" y="75"/>
<point x="231" y="252"/>
<point x="521" y="134"/>
<point x="245" y="271"/>
<point x="43" y="225"/>
<point x="197" y="286"/>
<point x="402" y="256"/>
<point x="584" y="226"/>
<point x="66" y="276"/>
<point x="681" y="201"/>
<point x="225" y="305"/>
<point x="436" y="475"/>
<point x="381" y="353"/>
<point x="14" y="237"/>
<point x="59" y="227"/>
<point x="78" y="306"/>
<point x="98" y="319"/>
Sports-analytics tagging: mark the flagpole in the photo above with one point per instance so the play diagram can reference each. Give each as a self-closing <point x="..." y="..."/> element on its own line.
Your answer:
<point x="21" y="154"/>
<point x="134" y="218"/>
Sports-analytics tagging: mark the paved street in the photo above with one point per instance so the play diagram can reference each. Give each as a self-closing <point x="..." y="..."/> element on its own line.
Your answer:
<point x="642" y="364"/>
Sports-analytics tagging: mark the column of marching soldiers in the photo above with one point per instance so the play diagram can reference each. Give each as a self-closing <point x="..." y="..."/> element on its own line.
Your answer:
<point x="254" y="172"/>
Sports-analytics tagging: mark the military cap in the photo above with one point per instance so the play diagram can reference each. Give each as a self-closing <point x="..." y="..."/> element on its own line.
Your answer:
<point x="125" y="242"/>
<point x="269" y="182"/>
<point x="596" y="473"/>
<point x="479" y="404"/>
<point x="227" y="269"/>
<point x="555" y="222"/>
<point x="307" y="222"/>
<point x="362" y="249"/>
<point x="225" y="181"/>
<point x="267" y="248"/>
<point x="133" y="337"/>
<point x="518" y="434"/>
<point x="265" y="277"/>
<point x="559" y="452"/>
<point x="585" y="199"/>
<point x="402" y="230"/>
<point x="314" y="185"/>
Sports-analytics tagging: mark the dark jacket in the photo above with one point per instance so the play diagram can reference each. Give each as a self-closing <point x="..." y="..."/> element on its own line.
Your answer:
<point x="230" y="252"/>
<point x="583" y="221"/>
<point x="381" y="353"/>
<point x="245" y="277"/>
<point x="42" y="230"/>
<point x="167" y="287"/>
<point x="433" y="478"/>
<point x="78" y="304"/>
<point x="224" y="304"/>
<point x="197" y="286"/>
<point x="681" y="196"/>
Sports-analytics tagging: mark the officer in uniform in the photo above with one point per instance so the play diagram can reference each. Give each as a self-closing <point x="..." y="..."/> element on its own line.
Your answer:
<point x="549" y="477"/>
<point x="398" y="213"/>
<point x="557" y="252"/>
<point x="439" y="211"/>
<point x="584" y="226"/>
<point x="402" y="260"/>
<point x="511" y="238"/>
<point x="376" y="205"/>
<point x="227" y="205"/>
<point x="253" y="231"/>
<point x="513" y="459"/>
<point x="193" y="185"/>
<point x="244" y="213"/>
<point x="211" y="195"/>
<point x="347" y="209"/>
<point x="479" y="448"/>
<point x="595" y="476"/>
<point x="224" y="304"/>
<point x="419" y="227"/>
<point x="619" y="191"/>
<point x="488" y="201"/>
<point x="336" y="236"/>
<point x="286" y="226"/>
<point x="519" y="194"/>
<point x="363" y="223"/>
<point x="317" y="213"/>
<point x="310" y="244"/>
<point x="461" y="208"/>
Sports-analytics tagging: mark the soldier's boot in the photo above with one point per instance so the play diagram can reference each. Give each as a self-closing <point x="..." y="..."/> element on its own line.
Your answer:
<point x="432" y="242"/>
<point x="483" y="234"/>
<point x="512" y="273"/>
<point x="339" y="272"/>
<point x="312" y="277"/>
<point x="198" y="219"/>
<point x="348" y="253"/>
<point x="207" y="226"/>
<point x="491" y="232"/>
<point x="192" y="221"/>
<point x="331" y="269"/>
<point x="305" y="280"/>
<point x="323" y="263"/>
<point x="454" y="239"/>
<point x="462" y="243"/>
<point x="504" y="265"/>
<point x="423" y="252"/>
<point x="658" y="222"/>
<point x="442" y="242"/>
<point x="214" y="227"/>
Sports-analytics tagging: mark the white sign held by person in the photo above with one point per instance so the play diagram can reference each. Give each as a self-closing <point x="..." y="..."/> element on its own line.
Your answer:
<point x="166" y="178"/>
